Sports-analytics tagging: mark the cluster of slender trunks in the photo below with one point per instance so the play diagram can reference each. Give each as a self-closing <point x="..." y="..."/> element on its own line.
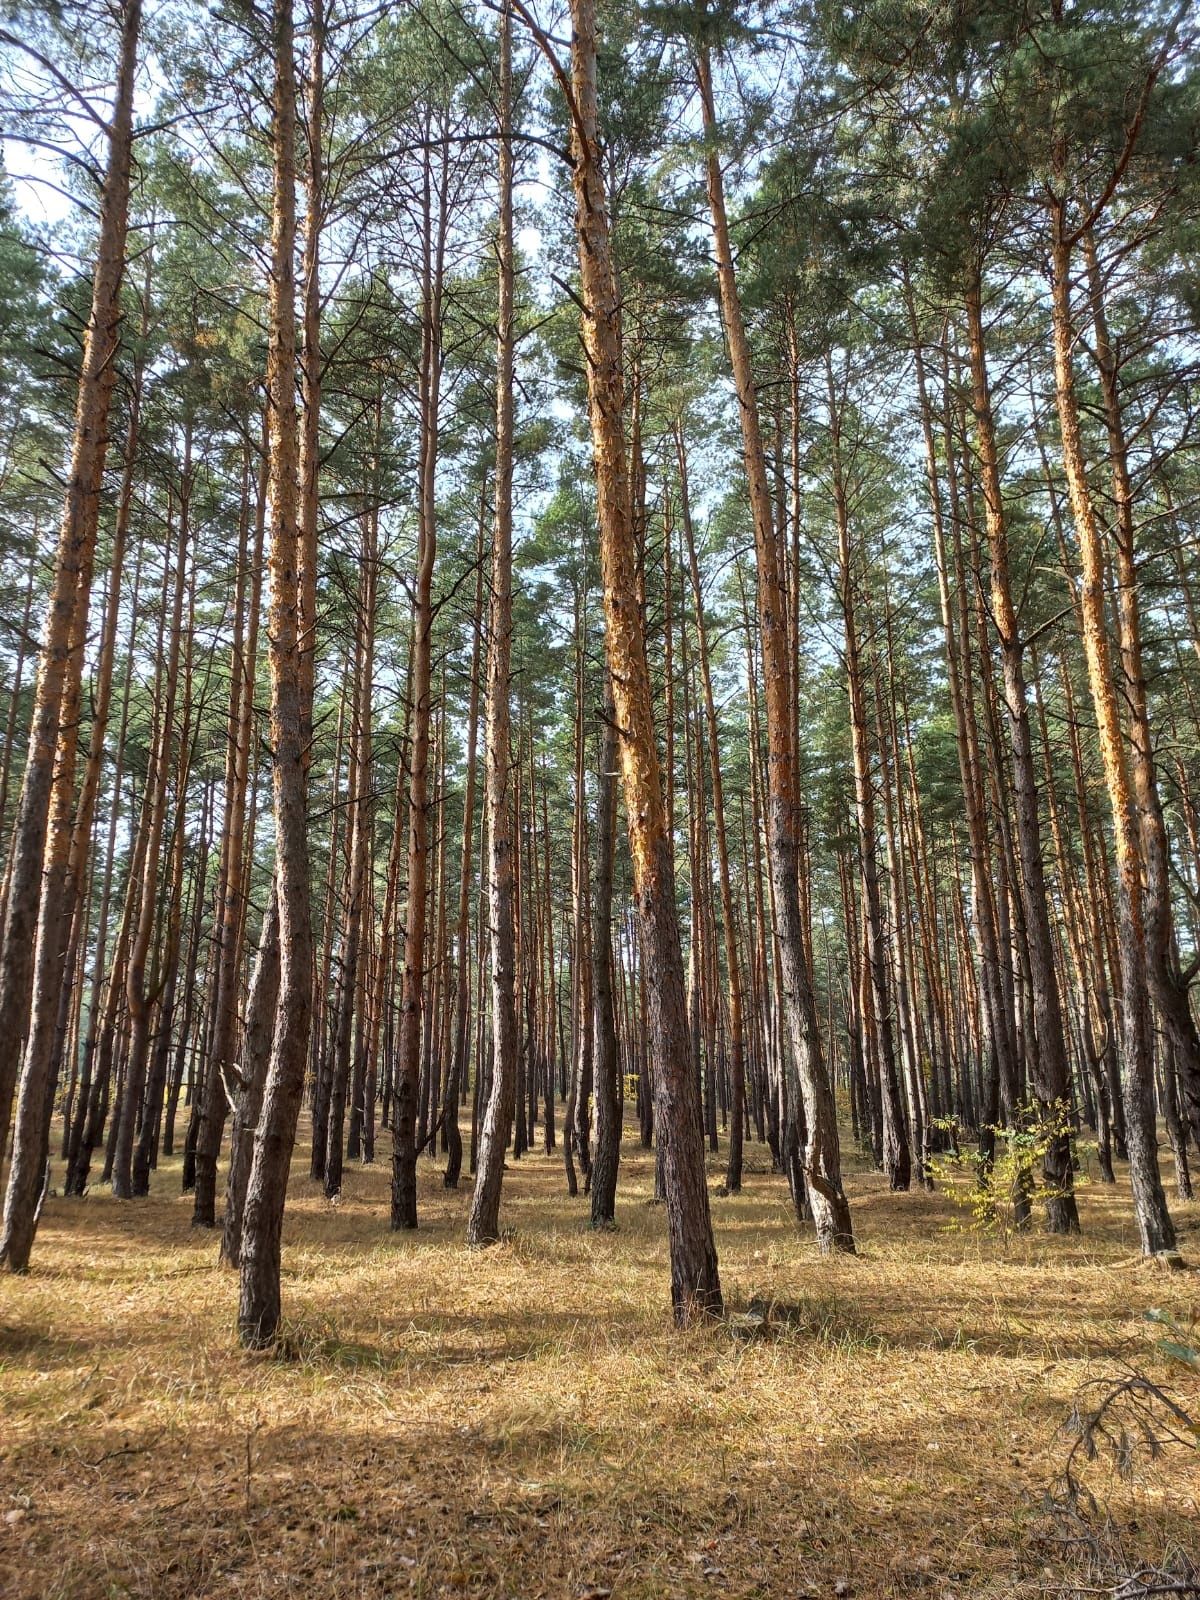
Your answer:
<point x="950" y="1022"/>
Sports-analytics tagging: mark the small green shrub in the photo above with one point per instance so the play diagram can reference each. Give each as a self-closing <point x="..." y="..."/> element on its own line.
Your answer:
<point x="1002" y="1194"/>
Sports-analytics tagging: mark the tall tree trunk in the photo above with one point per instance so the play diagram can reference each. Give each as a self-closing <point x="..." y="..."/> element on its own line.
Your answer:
<point x="605" y="1066"/>
<point x="275" y="1134"/>
<point x="575" y="1114"/>
<point x="231" y="896"/>
<point x="483" y="1222"/>
<point x="897" y="1156"/>
<point x="1169" y="984"/>
<point x="167" y="981"/>
<point x="64" y="907"/>
<point x="695" y="1285"/>
<point x="412" y="992"/>
<point x="733" y="1169"/>
<point x="456" y="1078"/>
<point x="101" y="696"/>
<point x="321" y="1044"/>
<point x="956" y="639"/>
<point x="359" y="802"/>
<point x="1150" y="1204"/>
<point x="1046" y="1047"/>
<point x="53" y="730"/>
<point x="813" y="1088"/>
<point x="141" y="987"/>
<point x="107" y="983"/>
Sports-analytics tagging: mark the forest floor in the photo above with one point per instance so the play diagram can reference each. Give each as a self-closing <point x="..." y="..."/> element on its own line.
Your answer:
<point x="525" y="1421"/>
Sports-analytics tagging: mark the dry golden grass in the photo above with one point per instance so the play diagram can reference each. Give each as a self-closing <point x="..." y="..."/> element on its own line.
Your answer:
<point x="525" y="1421"/>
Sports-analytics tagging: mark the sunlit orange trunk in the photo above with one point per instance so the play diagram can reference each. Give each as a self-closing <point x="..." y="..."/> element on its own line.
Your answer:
<point x="1154" y="1220"/>
<point x="54" y="724"/>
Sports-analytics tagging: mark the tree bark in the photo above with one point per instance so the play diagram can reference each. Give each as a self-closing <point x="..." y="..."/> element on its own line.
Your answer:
<point x="141" y="987"/>
<point x="897" y="1157"/>
<point x="1150" y="1205"/>
<point x="231" y="903"/>
<point x="695" y="1285"/>
<point x="275" y="1134"/>
<point x="359" y="803"/>
<point x="737" y="1061"/>
<point x="412" y="992"/>
<point x="812" y="1086"/>
<point x="245" y="1079"/>
<point x="1169" y="985"/>
<point x="605" y="1063"/>
<point x="483" y="1223"/>
<point x="60" y="664"/>
<point x="1046" y="1046"/>
<point x="456" y="1078"/>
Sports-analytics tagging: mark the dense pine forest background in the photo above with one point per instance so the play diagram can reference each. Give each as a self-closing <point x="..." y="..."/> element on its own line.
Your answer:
<point x="600" y="675"/>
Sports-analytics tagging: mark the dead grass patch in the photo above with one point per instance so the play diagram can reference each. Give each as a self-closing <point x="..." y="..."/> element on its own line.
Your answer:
<point x="524" y="1421"/>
